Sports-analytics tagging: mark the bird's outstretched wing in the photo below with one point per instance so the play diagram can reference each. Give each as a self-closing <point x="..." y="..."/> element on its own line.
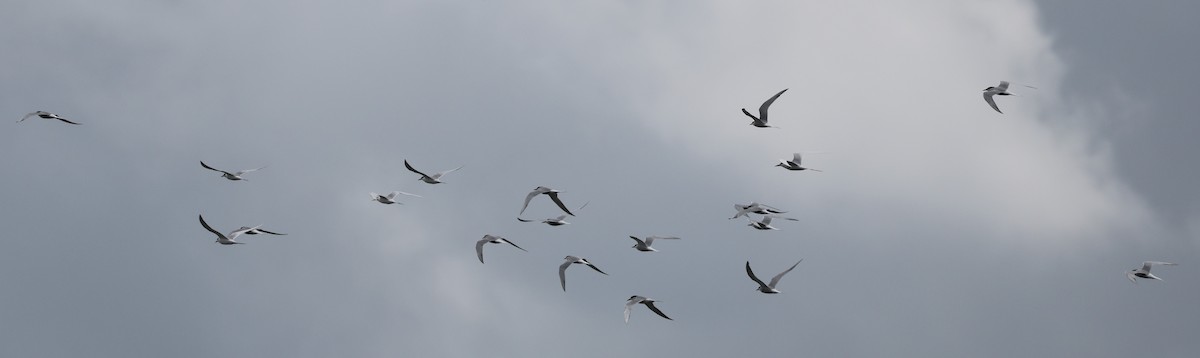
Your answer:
<point x="554" y="196"/>
<point x="411" y="169"/>
<point x="987" y="96"/>
<point x="752" y="277"/>
<point x="775" y="280"/>
<point x="213" y="169"/>
<point x="762" y="110"/>
<point x="650" y="305"/>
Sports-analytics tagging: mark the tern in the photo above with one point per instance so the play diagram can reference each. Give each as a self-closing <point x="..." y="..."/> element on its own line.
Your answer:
<point x="1001" y="90"/>
<point x="228" y="175"/>
<point x="765" y="224"/>
<point x="1144" y="272"/>
<point x="46" y="115"/>
<point x="493" y="240"/>
<point x="562" y="269"/>
<point x="761" y="120"/>
<point x="645" y="245"/>
<point x="436" y="178"/>
<point x="765" y="288"/>
<point x="633" y="300"/>
<point x="390" y="198"/>
<point x="558" y="221"/>
<point x="253" y="231"/>
<point x="793" y="164"/>
<point x="553" y="194"/>
<point x="222" y="238"/>
<point x="754" y="207"/>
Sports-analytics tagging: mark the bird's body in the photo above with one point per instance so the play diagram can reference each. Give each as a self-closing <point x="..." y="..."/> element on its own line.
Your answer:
<point x="391" y="197"/>
<point x="1144" y="271"/>
<point x="649" y="302"/>
<point x="793" y="164"/>
<point x="644" y="245"/>
<point x="1000" y="90"/>
<point x="765" y="287"/>
<point x="222" y="238"/>
<point x="436" y="178"/>
<point x="491" y="239"/>
<point x="568" y="261"/>
<point x="553" y="194"/>
<point x="235" y="176"/>
<point x="46" y="115"/>
<point x="761" y="120"/>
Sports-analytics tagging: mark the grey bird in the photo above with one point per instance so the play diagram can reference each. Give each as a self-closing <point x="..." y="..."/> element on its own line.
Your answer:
<point x="558" y="221"/>
<point x="227" y="175"/>
<point x="390" y="198"/>
<point x="793" y="164"/>
<point x="436" y="178"/>
<point x="1144" y="272"/>
<point x="754" y="207"/>
<point x="492" y="239"/>
<point x="1001" y="90"/>
<point x="553" y="194"/>
<point x="644" y="246"/>
<point x="46" y="115"/>
<point x="634" y="300"/>
<point x="769" y="288"/>
<point x="221" y="238"/>
<point x="761" y="120"/>
<point x="562" y="269"/>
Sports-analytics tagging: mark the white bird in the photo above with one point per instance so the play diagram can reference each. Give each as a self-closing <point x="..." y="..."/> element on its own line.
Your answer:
<point x="761" y="120"/>
<point x="253" y="231"/>
<point x="553" y="194"/>
<point x="645" y="245"/>
<point x="1001" y="90"/>
<point x="562" y="269"/>
<point x="228" y="175"/>
<point x="1144" y="272"/>
<point x="46" y="115"/>
<point x="633" y="300"/>
<point x="558" y="221"/>
<point x="765" y="224"/>
<point x="221" y="238"/>
<point x="769" y="288"/>
<point x="436" y="178"/>
<point x="793" y="164"/>
<point x="754" y="207"/>
<point x="390" y="198"/>
<point x="493" y="240"/>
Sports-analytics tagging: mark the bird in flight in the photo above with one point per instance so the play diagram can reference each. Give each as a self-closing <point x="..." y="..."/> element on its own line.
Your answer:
<point x="436" y="178"/>
<point x="793" y="164"/>
<point x="644" y="246"/>
<point x="228" y="175"/>
<point x="768" y="288"/>
<point x="1144" y="272"/>
<point x="558" y="221"/>
<point x="553" y="194"/>
<point x="754" y="207"/>
<point x="761" y="120"/>
<point x="765" y="223"/>
<point x="222" y="238"/>
<point x="562" y="269"/>
<point x="491" y="239"/>
<point x="1001" y="90"/>
<point x="46" y="115"/>
<point x="390" y="198"/>
<point x="634" y="300"/>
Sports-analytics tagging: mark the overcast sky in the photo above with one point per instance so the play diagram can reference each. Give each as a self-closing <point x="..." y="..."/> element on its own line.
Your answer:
<point x="939" y="228"/>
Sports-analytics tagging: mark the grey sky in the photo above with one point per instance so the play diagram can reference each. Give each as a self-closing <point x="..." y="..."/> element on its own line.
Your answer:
<point x="939" y="229"/>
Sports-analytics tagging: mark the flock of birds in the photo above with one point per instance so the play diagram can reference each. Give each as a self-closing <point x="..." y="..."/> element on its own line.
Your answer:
<point x="766" y="212"/>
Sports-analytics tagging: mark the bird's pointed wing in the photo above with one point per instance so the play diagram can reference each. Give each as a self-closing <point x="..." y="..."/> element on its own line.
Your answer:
<point x="554" y="196"/>
<point x="762" y="110"/>
<point x="1146" y="265"/>
<point x="524" y="220"/>
<point x="392" y="195"/>
<point x="409" y="194"/>
<point x="629" y="306"/>
<point x="269" y="232"/>
<point x="775" y="280"/>
<point x="210" y="229"/>
<point x="411" y="169"/>
<point x="752" y="277"/>
<point x="639" y="241"/>
<point x="655" y="309"/>
<point x="562" y="274"/>
<point x="440" y="174"/>
<point x="1003" y="86"/>
<point x="27" y="116"/>
<point x="1131" y="277"/>
<point x="777" y="216"/>
<point x="65" y="120"/>
<point x="987" y="96"/>
<point x="771" y="209"/>
<point x="766" y="220"/>
<point x="249" y="170"/>
<point x="594" y="267"/>
<point x="213" y="169"/>
<point x="514" y="245"/>
<point x="796" y="158"/>
<point x="750" y="115"/>
<point x="650" y="239"/>
<point x="479" y="248"/>
<point x="527" y="199"/>
<point x="582" y="206"/>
